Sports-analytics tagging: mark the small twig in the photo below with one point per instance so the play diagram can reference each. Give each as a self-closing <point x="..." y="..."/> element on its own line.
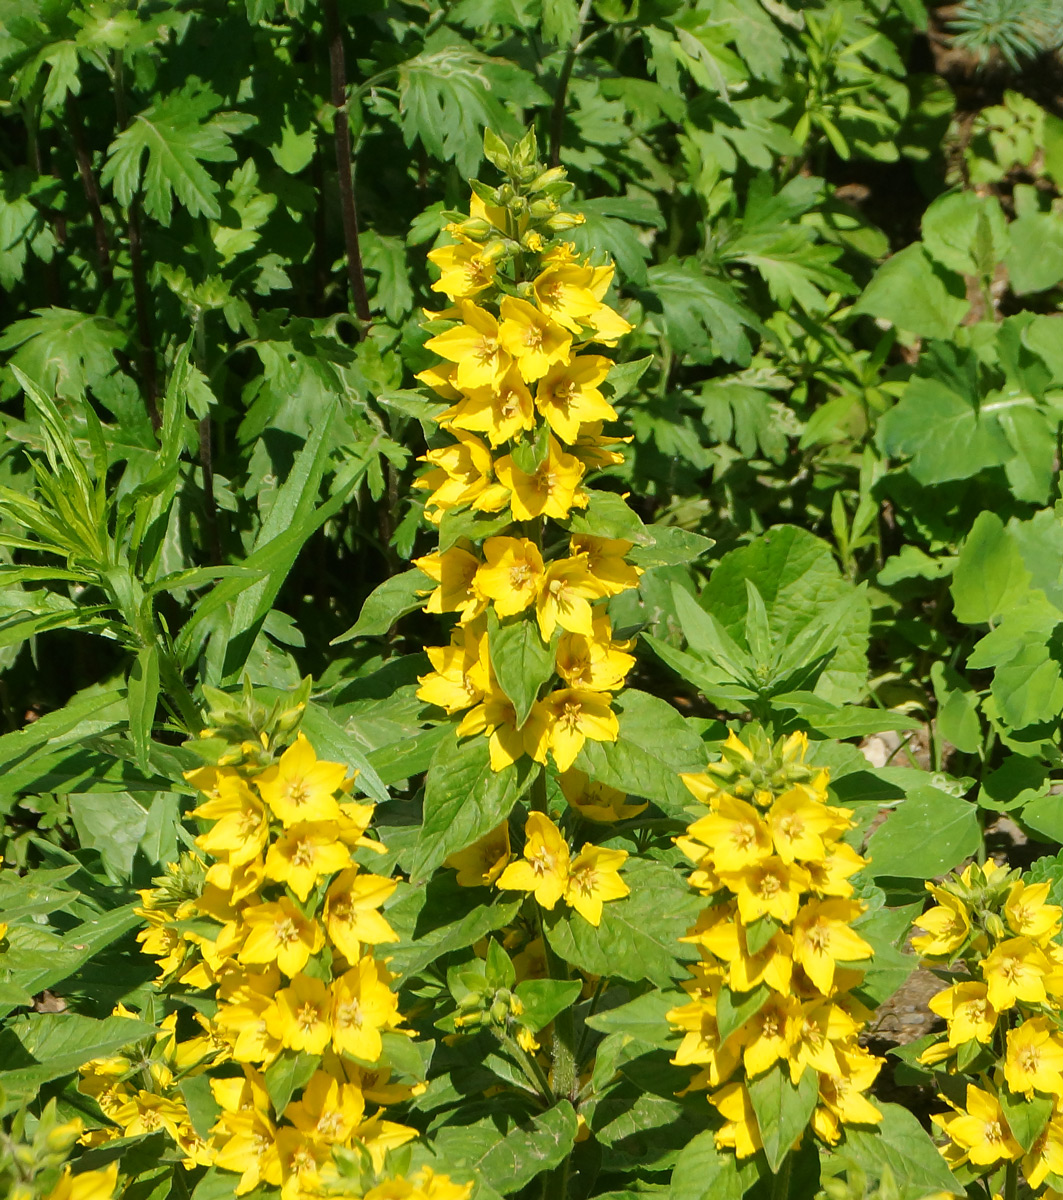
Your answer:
<point x="557" y="113"/>
<point x="141" y="299"/>
<point x="92" y="189"/>
<point x="342" y="133"/>
<point x="206" y="455"/>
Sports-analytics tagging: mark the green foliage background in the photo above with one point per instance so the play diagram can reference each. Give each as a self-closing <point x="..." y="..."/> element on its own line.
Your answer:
<point x="843" y="258"/>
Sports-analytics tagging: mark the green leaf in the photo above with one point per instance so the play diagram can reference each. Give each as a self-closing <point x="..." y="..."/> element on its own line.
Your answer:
<point x="522" y="662"/>
<point x="990" y="575"/>
<point x="671" y="547"/>
<point x="644" y="1019"/>
<point x="507" y="1156"/>
<point x="36" y="893"/>
<point x="543" y="999"/>
<point x="704" y="1172"/>
<point x="953" y="226"/>
<point x="1035" y="257"/>
<point x="1027" y="1118"/>
<point x="915" y="294"/>
<point x="654" y="745"/>
<point x="289" y="1071"/>
<point x="927" y="834"/>
<point x="842" y="721"/>
<point x="901" y="1144"/>
<point x="143" y="689"/>
<point x="333" y="742"/>
<point x="39" y="1048"/>
<point x="178" y="135"/>
<point x="638" y="937"/>
<point x="702" y="316"/>
<point x="464" y="799"/>
<point x="609" y="515"/>
<point x="623" y="377"/>
<point x="783" y="1109"/>
<point x="394" y="598"/>
<point x="734" y="1009"/>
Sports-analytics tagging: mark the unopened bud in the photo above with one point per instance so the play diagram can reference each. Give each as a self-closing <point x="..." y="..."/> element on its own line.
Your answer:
<point x="562" y="221"/>
<point x="548" y="177"/>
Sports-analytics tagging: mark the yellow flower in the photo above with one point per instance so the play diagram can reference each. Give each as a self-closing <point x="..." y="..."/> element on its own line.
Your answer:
<point x="593" y="878"/>
<point x="503" y="412"/>
<point x="597" y="801"/>
<point x="87" y="1185"/>
<point x="462" y="475"/>
<point x="770" y="888"/>
<point x="982" y="1131"/>
<point x="843" y="1095"/>
<point x="300" y="788"/>
<point x="565" y="720"/>
<point x="351" y="911"/>
<point x="328" y="1110"/>
<point x="830" y="877"/>
<point x="1015" y="970"/>
<point x="497" y="719"/>
<point x="947" y="925"/>
<point x="565" y="593"/>
<point x="822" y="937"/>
<point x="304" y="853"/>
<point x="741" y="1132"/>
<point x="454" y="571"/>
<point x="300" y="1015"/>
<point x="511" y="575"/>
<point x="363" y="1005"/>
<point x="464" y="270"/>
<point x="734" y="833"/>
<point x="609" y="325"/>
<point x="563" y="290"/>
<point x="813" y="1030"/>
<point x="300" y="1159"/>
<point x="1045" y="1156"/>
<point x="480" y="864"/>
<point x="279" y="933"/>
<point x="798" y="824"/>
<point x="568" y="395"/>
<point x="594" y="662"/>
<point x="967" y="1009"/>
<point x="474" y="346"/>
<point x="533" y="340"/>
<point x="765" y="1035"/>
<point x="606" y="561"/>
<point x="240" y="826"/>
<point x="461" y="677"/>
<point x="544" y="868"/>
<point x="1034" y="1059"/>
<point x="552" y="490"/>
<point x="1027" y="913"/>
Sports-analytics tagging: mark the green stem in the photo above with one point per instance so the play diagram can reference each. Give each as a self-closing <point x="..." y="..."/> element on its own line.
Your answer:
<point x="1011" y="1181"/>
<point x="780" y="1184"/>
<point x="557" y="113"/>
<point x="531" y="1069"/>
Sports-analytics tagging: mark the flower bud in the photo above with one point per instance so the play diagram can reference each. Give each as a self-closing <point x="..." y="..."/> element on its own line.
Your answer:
<point x="562" y="221"/>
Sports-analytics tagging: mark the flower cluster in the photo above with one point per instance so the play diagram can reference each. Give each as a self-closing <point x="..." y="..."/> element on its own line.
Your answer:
<point x="35" y="1167"/>
<point x="1004" y="1019"/>
<point x="548" y="870"/>
<point x="523" y="428"/>
<point x="772" y="992"/>
<point x="278" y="926"/>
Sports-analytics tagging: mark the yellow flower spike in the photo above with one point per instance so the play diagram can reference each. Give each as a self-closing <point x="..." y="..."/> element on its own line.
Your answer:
<point x="552" y="490"/>
<point x="543" y="871"/>
<point x="735" y="833"/>
<point x="565" y="720"/>
<point x="352" y="916"/>
<point x="568" y="395"/>
<point x="823" y="937"/>
<point x="300" y="788"/>
<point x="981" y="1132"/>
<point x="87" y="1185"/>
<point x="741" y="1132"/>
<point x="1015" y="970"/>
<point x="475" y="347"/>
<point x="966" y="1008"/>
<point x="1028" y="915"/>
<point x="454" y="571"/>
<point x="597" y="801"/>
<point x="535" y="342"/>
<point x="363" y="1005"/>
<point x="465" y="270"/>
<point x="1034" y="1058"/>
<point x="512" y="574"/>
<point x="566" y="590"/>
<point x="328" y="1110"/>
<point x="593" y="879"/>
<point x="480" y="864"/>
<point x="947" y="926"/>
<point x="304" y="853"/>
<point x="279" y="933"/>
